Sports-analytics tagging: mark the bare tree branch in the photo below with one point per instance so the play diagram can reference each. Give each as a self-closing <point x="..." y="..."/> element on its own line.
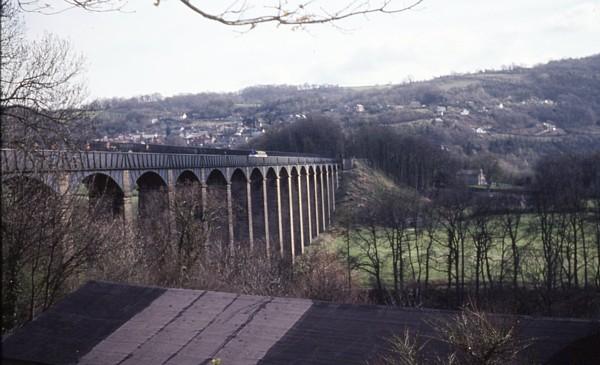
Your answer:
<point x="242" y="13"/>
<point x="41" y="85"/>
<point x="301" y="14"/>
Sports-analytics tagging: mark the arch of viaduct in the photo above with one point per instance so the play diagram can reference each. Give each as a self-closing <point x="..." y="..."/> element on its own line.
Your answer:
<point x="282" y="203"/>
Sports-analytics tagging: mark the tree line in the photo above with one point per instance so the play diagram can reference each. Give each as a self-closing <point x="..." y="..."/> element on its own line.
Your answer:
<point x="411" y="160"/>
<point x="528" y="251"/>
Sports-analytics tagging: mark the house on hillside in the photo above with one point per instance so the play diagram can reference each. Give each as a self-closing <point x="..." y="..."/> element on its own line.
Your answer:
<point x="471" y="177"/>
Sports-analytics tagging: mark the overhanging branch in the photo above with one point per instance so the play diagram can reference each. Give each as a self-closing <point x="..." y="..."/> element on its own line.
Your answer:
<point x="300" y="15"/>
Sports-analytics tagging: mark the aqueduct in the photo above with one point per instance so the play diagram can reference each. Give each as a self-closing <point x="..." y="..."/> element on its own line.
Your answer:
<point x="281" y="202"/>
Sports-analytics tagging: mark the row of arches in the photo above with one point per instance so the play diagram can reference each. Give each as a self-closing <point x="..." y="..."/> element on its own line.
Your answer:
<point x="279" y="209"/>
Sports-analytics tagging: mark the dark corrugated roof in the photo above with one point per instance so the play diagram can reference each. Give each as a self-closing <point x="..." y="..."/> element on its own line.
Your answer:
<point x="107" y="323"/>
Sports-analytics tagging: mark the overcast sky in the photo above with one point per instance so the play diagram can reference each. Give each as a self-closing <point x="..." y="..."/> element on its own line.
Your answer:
<point x="170" y="50"/>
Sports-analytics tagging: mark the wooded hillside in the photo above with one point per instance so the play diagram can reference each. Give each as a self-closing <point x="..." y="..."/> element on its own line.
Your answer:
<point x="513" y="115"/>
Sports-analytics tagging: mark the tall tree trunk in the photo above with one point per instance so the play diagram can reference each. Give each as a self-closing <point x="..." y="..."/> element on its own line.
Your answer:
<point x="575" y="228"/>
<point x="585" y="253"/>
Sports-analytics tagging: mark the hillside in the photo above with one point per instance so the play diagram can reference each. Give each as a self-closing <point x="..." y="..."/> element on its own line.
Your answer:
<point x="515" y="114"/>
<point x="360" y="183"/>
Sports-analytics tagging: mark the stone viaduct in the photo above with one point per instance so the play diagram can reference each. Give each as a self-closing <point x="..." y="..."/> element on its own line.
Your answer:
<point x="280" y="202"/>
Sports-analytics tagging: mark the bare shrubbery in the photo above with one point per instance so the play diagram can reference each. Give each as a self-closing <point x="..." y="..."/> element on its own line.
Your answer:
<point x="244" y="271"/>
<point x="52" y="243"/>
<point x="320" y="274"/>
<point x="476" y="338"/>
<point x="49" y="242"/>
<point x="470" y="337"/>
<point x="403" y="349"/>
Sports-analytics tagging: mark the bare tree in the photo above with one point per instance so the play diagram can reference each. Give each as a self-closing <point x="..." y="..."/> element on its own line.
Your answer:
<point x="419" y="255"/>
<point x="396" y="212"/>
<point x="346" y="221"/>
<point x="250" y="14"/>
<point x="48" y="240"/>
<point x="481" y="232"/>
<point x="453" y="213"/>
<point x="512" y="229"/>
<point x="191" y="224"/>
<point x="41" y="87"/>
<point x="369" y="243"/>
<point x="595" y="193"/>
<point x="429" y="229"/>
